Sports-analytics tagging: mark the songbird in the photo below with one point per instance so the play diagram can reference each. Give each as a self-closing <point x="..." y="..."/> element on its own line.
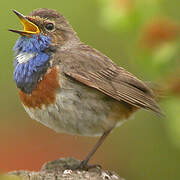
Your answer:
<point x="69" y="86"/>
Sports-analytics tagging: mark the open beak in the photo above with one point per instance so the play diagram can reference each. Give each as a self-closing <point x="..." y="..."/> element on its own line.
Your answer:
<point x="29" y="27"/>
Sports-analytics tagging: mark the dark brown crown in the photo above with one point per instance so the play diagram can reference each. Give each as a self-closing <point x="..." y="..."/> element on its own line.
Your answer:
<point x="46" y="13"/>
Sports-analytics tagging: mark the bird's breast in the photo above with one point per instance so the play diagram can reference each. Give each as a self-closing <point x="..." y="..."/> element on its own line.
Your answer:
<point x="45" y="91"/>
<point x="25" y="57"/>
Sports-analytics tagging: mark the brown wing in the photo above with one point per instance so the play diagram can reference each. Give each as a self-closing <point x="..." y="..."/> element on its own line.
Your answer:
<point x="93" y="69"/>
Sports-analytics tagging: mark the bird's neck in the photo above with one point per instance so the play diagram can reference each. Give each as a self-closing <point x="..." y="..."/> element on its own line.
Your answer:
<point x="31" y="61"/>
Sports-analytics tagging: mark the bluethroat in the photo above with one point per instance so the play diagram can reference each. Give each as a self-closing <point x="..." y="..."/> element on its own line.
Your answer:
<point x="69" y="86"/>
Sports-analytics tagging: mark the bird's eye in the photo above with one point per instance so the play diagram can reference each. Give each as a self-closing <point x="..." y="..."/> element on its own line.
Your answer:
<point x="49" y="26"/>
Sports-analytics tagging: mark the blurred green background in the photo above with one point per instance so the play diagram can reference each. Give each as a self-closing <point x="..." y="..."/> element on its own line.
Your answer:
<point x="140" y="35"/>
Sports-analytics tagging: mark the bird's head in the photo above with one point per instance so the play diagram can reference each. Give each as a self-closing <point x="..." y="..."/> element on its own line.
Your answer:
<point x="46" y="22"/>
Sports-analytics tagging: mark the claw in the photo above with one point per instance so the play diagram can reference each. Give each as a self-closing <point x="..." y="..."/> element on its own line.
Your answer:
<point x="86" y="167"/>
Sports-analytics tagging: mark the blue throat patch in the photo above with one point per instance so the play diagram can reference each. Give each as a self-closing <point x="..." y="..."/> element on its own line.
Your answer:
<point x="31" y="61"/>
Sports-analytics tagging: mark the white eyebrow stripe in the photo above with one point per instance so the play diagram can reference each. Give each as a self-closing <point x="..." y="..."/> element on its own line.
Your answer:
<point x="25" y="57"/>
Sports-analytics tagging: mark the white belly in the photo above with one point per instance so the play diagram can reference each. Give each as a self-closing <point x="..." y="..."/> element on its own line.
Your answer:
<point x="78" y="110"/>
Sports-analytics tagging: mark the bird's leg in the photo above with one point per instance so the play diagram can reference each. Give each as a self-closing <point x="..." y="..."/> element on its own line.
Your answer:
<point x="84" y="163"/>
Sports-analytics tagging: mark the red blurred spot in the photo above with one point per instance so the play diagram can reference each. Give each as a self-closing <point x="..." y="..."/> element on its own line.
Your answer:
<point x="159" y="31"/>
<point x="31" y="146"/>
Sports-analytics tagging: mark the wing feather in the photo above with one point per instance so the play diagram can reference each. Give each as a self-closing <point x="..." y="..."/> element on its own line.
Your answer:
<point x="93" y="69"/>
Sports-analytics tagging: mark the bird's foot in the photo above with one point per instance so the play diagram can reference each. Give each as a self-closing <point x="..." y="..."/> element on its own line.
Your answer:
<point x="86" y="167"/>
